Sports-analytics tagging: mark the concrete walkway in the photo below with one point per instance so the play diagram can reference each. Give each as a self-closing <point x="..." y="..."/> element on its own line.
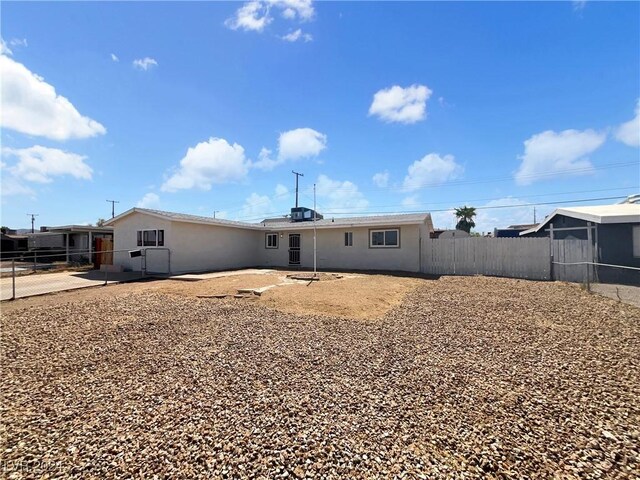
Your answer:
<point x="40" y="284"/>
<point x="622" y="293"/>
<point x="227" y="273"/>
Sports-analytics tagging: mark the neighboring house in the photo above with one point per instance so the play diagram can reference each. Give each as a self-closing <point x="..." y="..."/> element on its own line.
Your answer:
<point x="12" y="243"/>
<point x="73" y="242"/>
<point x="444" y="234"/>
<point x="190" y="243"/>
<point x="512" y="231"/>
<point x="613" y="230"/>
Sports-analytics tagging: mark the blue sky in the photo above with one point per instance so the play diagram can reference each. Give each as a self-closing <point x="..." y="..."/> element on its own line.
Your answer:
<point x="387" y="107"/>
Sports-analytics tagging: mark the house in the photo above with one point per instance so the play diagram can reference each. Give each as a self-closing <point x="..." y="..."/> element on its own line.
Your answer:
<point x="612" y="230"/>
<point x="13" y="244"/>
<point x="512" y="231"/>
<point x="177" y="243"/>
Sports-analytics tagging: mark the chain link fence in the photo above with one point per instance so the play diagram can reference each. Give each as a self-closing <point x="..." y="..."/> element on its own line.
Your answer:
<point x="29" y="273"/>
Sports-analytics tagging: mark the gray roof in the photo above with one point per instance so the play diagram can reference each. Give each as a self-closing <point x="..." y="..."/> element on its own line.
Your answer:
<point x="376" y="220"/>
<point x="271" y="224"/>
<point x="184" y="217"/>
<point x="618" y="213"/>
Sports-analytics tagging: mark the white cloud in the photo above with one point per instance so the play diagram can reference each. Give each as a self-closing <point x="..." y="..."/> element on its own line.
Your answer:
<point x="629" y="132"/>
<point x="295" y="9"/>
<point x="410" y="202"/>
<point x="297" y="35"/>
<point x="256" y="206"/>
<point x="11" y="186"/>
<point x="339" y="196"/>
<point x="550" y="152"/>
<point x="301" y="143"/>
<point x="114" y="57"/>
<point x="265" y="161"/>
<point x="381" y="179"/>
<point x="39" y="164"/>
<point x="210" y="162"/>
<point x="403" y="105"/>
<point x="578" y="5"/>
<point x="489" y="218"/>
<point x="252" y="16"/>
<point x="255" y="15"/>
<point x="150" y="200"/>
<point x="31" y="106"/>
<point x="4" y="48"/>
<point x="145" y="63"/>
<point x="281" y="190"/>
<point x="432" y="169"/>
<point x="18" y="42"/>
<point x="292" y="145"/>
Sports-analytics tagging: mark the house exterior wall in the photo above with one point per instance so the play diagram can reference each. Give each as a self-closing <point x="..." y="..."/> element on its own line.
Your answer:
<point x="615" y="247"/>
<point x="125" y="239"/>
<point x="333" y="254"/>
<point x="196" y="247"/>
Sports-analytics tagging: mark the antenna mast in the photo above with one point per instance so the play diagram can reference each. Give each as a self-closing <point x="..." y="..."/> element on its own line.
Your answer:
<point x="297" y="175"/>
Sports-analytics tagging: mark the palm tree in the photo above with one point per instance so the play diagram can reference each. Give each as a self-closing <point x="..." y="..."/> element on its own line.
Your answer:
<point x="465" y="218"/>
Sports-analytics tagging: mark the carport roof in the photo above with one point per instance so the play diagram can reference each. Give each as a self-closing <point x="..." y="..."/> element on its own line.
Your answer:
<point x="379" y="220"/>
<point x="602" y="214"/>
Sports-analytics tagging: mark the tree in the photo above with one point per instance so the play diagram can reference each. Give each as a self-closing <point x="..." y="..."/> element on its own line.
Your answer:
<point x="100" y="222"/>
<point x="465" y="218"/>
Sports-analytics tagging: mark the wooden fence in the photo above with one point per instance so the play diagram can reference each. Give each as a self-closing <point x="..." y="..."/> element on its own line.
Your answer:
<point x="529" y="258"/>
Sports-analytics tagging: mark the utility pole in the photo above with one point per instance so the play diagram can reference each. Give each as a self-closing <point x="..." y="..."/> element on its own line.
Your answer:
<point x="113" y="207"/>
<point x="214" y="213"/>
<point x="297" y="175"/>
<point x="315" y="242"/>
<point x="534" y="214"/>
<point x="33" y="221"/>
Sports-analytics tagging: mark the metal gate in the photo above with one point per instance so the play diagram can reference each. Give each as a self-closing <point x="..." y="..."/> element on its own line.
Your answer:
<point x="294" y="249"/>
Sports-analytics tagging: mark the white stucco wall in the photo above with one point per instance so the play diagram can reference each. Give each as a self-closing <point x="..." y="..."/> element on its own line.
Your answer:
<point x="197" y="247"/>
<point x="333" y="254"/>
<point x="125" y="239"/>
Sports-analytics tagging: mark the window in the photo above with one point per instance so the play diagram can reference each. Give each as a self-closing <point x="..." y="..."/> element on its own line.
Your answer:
<point x="384" y="238"/>
<point x="150" y="238"/>
<point x="271" y="240"/>
<point x="636" y="240"/>
<point x="348" y="239"/>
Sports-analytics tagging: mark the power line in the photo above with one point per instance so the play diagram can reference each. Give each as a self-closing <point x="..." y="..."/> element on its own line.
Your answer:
<point x="487" y="207"/>
<point x="382" y="212"/>
<point x="455" y="182"/>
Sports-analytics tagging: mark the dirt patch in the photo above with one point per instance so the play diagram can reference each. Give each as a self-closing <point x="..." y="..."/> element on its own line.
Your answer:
<point x="222" y="285"/>
<point x="353" y="296"/>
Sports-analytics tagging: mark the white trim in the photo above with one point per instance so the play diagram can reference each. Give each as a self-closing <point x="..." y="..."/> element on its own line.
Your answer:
<point x="266" y="240"/>
<point x="384" y="231"/>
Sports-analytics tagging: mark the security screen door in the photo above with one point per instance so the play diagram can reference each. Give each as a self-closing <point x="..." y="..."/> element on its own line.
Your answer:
<point x="294" y="249"/>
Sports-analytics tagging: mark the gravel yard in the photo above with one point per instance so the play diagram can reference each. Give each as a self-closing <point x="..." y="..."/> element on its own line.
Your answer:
<point x="465" y="377"/>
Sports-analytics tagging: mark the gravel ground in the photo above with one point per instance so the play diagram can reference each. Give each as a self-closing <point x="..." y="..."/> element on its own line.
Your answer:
<point x="467" y="378"/>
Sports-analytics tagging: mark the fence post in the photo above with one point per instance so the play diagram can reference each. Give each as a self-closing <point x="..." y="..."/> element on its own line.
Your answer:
<point x="35" y="261"/>
<point x="588" y="265"/>
<point x="13" y="279"/>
